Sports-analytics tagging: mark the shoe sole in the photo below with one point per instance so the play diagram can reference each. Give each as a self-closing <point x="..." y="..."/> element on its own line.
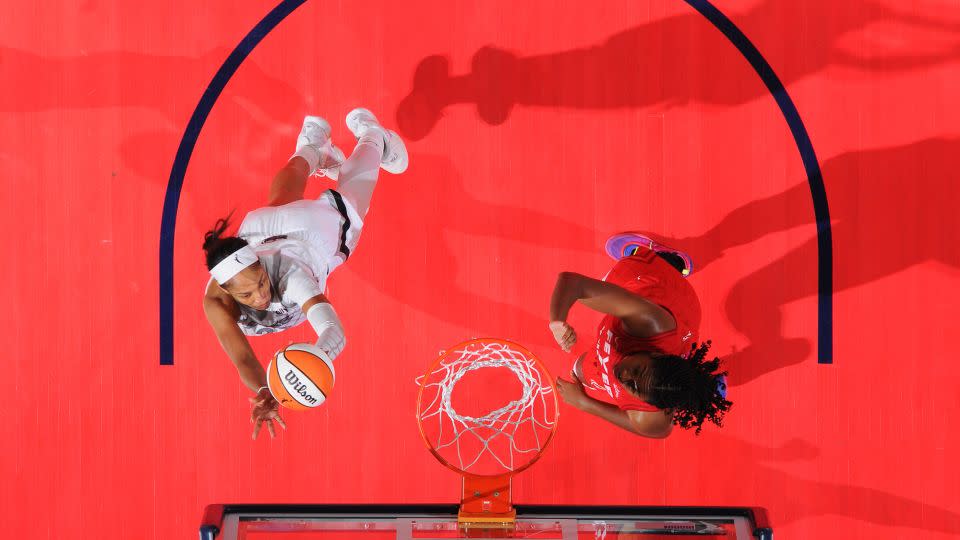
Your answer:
<point x="355" y="113"/>
<point x="399" y="160"/>
<point x="332" y="173"/>
<point x="616" y="246"/>
<point x="396" y="148"/>
<point x="324" y="125"/>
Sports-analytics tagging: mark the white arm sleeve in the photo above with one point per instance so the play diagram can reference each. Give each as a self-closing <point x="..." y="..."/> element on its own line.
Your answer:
<point x="330" y="336"/>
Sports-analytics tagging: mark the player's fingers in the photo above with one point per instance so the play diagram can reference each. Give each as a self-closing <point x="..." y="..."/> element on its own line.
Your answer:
<point x="271" y="429"/>
<point x="256" y="429"/>
<point x="281" y="422"/>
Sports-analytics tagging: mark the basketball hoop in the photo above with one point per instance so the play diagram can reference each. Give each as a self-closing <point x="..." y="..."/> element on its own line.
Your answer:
<point x="491" y="429"/>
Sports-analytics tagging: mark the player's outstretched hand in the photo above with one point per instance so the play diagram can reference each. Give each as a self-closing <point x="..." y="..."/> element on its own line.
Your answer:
<point x="265" y="409"/>
<point x="564" y="334"/>
<point x="571" y="392"/>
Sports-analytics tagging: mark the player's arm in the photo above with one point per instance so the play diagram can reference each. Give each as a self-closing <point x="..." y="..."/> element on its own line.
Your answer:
<point x="302" y="287"/>
<point x="641" y="317"/>
<point x="324" y="320"/>
<point x="655" y="424"/>
<point x="222" y="314"/>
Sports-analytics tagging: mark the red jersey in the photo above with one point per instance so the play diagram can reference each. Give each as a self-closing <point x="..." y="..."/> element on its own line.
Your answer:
<point x="647" y="275"/>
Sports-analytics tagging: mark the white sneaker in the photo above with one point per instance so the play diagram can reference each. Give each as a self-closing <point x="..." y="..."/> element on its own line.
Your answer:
<point x="331" y="158"/>
<point x="395" y="159"/>
<point x="316" y="133"/>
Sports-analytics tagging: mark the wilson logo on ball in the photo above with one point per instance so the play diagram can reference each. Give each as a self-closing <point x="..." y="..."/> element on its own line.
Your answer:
<point x="299" y="387"/>
<point x="300" y="376"/>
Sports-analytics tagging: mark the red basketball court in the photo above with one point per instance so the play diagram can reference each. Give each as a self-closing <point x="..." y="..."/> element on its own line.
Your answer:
<point x="535" y="130"/>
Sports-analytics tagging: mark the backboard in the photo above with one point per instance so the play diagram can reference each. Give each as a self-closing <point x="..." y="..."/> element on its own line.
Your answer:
<point x="432" y="522"/>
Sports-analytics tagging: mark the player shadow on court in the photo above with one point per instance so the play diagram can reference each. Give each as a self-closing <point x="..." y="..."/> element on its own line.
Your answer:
<point x="667" y="63"/>
<point x="422" y="271"/>
<point x="889" y="207"/>
<point x="804" y="498"/>
<point x="268" y="107"/>
<point x="791" y="498"/>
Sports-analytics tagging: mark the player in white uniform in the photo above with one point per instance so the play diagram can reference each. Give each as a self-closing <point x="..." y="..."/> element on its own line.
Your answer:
<point x="272" y="275"/>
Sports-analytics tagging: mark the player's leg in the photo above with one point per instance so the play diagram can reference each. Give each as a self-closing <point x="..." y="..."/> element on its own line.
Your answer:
<point x="358" y="175"/>
<point x="290" y="182"/>
<point x="376" y="148"/>
<point x="315" y="154"/>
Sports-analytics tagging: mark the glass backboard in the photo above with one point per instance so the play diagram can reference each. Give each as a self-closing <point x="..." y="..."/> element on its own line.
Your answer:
<point x="428" y="522"/>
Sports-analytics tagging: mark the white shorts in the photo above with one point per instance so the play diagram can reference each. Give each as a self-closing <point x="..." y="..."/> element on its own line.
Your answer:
<point x="330" y="226"/>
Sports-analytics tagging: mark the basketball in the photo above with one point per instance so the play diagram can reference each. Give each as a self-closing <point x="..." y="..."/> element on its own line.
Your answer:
<point x="300" y="376"/>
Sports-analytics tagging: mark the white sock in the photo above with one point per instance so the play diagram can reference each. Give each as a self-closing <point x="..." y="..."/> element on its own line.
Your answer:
<point x="376" y="136"/>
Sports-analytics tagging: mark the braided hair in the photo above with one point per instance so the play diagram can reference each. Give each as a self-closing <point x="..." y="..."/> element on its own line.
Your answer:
<point x="218" y="247"/>
<point x="690" y="386"/>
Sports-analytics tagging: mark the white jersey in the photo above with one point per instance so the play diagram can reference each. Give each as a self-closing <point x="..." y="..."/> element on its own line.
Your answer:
<point x="293" y="281"/>
<point x="299" y="245"/>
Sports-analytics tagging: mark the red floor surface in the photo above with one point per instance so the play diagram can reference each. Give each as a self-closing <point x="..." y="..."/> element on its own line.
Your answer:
<point x="627" y="115"/>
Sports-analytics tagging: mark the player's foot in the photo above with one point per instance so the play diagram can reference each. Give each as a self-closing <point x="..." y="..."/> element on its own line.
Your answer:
<point x="626" y="244"/>
<point x="722" y="386"/>
<point x="331" y="158"/>
<point x="395" y="159"/>
<point x="315" y="134"/>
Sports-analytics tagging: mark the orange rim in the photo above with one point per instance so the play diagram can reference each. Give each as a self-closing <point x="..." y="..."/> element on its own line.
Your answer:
<point x="512" y="345"/>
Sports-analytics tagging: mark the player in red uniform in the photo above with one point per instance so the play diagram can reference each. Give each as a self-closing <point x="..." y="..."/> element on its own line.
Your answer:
<point x="648" y="371"/>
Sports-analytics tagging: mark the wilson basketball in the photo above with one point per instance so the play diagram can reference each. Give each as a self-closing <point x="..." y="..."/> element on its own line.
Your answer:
<point x="300" y="376"/>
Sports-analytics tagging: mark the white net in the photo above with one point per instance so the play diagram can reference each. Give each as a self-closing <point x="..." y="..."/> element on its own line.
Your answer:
<point x="483" y="441"/>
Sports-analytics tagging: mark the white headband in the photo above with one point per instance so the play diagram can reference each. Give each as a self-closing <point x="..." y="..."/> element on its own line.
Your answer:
<point x="233" y="264"/>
